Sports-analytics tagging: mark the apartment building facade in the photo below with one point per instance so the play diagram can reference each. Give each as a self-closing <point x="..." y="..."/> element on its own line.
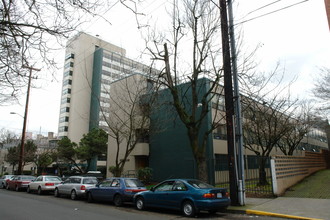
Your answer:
<point x="91" y="66"/>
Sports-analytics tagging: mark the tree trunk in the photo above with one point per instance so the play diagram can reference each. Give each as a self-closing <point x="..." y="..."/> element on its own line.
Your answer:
<point x="202" y="169"/>
<point x="262" y="172"/>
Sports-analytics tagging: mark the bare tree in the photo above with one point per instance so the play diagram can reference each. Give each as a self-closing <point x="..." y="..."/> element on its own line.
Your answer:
<point x="321" y="89"/>
<point x="298" y="127"/>
<point x="268" y="111"/>
<point x="7" y="137"/>
<point x="191" y="52"/>
<point x="31" y="29"/>
<point x="127" y="118"/>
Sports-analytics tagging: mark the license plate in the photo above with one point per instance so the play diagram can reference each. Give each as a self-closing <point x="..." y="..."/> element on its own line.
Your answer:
<point x="219" y="195"/>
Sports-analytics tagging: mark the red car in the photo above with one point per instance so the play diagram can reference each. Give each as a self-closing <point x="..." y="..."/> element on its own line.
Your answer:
<point x="19" y="182"/>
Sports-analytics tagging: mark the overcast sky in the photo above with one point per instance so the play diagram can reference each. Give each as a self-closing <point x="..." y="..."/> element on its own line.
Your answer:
<point x="298" y="37"/>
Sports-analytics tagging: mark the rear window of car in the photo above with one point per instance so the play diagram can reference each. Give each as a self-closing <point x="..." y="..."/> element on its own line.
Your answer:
<point x="90" y="181"/>
<point x="200" y="185"/>
<point x="133" y="183"/>
<point x="52" y="179"/>
<point x="27" y="177"/>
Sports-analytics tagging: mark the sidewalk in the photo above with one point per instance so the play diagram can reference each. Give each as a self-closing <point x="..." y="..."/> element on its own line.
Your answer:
<point x="290" y="208"/>
<point x="309" y="199"/>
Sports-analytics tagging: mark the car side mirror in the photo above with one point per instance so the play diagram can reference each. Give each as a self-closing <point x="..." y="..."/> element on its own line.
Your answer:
<point x="152" y="189"/>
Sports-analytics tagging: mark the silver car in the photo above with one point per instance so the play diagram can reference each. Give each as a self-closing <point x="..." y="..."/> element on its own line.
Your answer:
<point x="44" y="184"/>
<point x="75" y="186"/>
<point x="3" y="180"/>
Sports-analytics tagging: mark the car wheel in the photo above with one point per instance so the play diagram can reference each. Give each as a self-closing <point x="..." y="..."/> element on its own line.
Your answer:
<point x="56" y="193"/>
<point x="3" y="186"/>
<point x="16" y="188"/>
<point x="73" y="195"/>
<point x="28" y="190"/>
<point x="39" y="191"/>
<point x="188" y="209"/>
<point x="118" y="201"/>
<point x="90" y="198"/>
<point x="139" y="203"/>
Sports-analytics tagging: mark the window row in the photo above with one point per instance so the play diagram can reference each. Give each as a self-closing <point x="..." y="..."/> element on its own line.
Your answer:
<point x="64" y="119"/>
<point x="63" y="129"/>
<point x="66" y="91"/>
<point x="68" y="73"/>
<point x="65" y="109"/>
<point x="67" y="65"/>
<point x="65" y="100"/>
<point x="69" y="56"/>
<point x="67" y="82"/>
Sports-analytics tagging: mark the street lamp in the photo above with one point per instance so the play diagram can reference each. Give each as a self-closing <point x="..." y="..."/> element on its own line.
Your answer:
<point x="21" y="153"/>
<point x="15" y="113"/>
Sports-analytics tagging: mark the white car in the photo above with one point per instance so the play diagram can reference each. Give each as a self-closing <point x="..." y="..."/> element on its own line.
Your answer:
<point x="44" y="184"/>
<point x="75" y="186"/>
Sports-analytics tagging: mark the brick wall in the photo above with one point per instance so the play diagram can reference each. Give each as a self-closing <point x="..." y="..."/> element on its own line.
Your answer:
<point x="289" y="170"/>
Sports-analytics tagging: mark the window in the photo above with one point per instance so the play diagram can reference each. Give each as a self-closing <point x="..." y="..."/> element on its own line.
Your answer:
<point x="167" y="186"/>
<point x="142" y="135"/>
<point x="115" y="183"/>
<point x="65" y="109"/>
<point x="220" y="132"/>
<point x="67" y="82"/>
<point x="65" y="100"/>
<point x="63" y="129"/>
<point x="89" y="181"/>
<point x="67" y="65"/>
<point x="68" y="73"/>
<point x="133" y="183"/>
<point x="64" y="119"/>
<point x="66" y="91"/>
<point x="105" y="184"/>
<point x="69" y="56"/>
<point x="221" y="162"/>
<point x="179" y="186"/>
<point x="200" y="185"/>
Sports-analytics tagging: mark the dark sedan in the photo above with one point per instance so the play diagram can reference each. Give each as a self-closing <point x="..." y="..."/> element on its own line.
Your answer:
<point x="117" y="190"/>
<point x="188" y="195"/>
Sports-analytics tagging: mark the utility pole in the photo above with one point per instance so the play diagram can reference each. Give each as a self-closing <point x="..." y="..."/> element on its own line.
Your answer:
<point x="21" y="153"/>
<point x="229" y="103"/>
<point x="237" y="101"/>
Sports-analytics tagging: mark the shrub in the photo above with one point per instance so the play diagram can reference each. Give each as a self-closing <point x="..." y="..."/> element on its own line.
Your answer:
<point x="145" y="174"/>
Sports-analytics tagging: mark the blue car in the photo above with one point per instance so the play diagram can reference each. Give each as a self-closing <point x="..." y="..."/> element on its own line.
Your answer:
<point x="117" y="190"/>
<point x="188" y="195"/>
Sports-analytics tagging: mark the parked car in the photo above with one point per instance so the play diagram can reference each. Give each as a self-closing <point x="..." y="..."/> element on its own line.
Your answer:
<point x="3" y="180"/>
<point x="44" y="184"/>
<point x="75" y="186"/>
<point x="117" y="190"/>
<point x="188" y="195"/>
<point x="19" y="182"/>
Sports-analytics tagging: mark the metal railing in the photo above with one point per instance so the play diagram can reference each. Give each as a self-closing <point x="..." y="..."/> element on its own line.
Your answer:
<point x="253" y="188"/>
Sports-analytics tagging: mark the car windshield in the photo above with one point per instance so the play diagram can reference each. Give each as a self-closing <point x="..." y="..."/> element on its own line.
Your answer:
<point x="199" y="184"/>
<point x="53" y="178"/>
<point x="133" y="183"/>
<point x="90" y="181"/>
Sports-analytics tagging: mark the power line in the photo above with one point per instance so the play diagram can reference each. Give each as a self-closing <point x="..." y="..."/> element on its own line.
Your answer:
<point x="272" y="12"/>
<point x="262" y="7"/>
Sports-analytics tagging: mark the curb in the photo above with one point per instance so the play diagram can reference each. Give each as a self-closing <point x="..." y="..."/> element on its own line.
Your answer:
<point x="256" y="212"/>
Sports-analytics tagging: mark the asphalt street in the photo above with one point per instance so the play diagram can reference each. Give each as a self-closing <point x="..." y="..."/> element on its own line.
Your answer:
<point x="24" y="206"/>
